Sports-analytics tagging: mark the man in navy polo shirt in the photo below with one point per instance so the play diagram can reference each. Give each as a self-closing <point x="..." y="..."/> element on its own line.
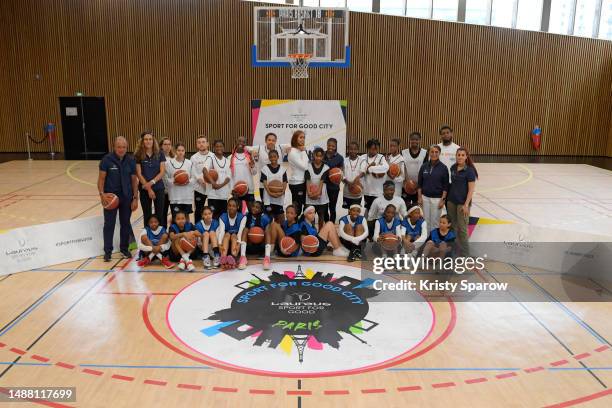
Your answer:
<point x="118" y="176"/>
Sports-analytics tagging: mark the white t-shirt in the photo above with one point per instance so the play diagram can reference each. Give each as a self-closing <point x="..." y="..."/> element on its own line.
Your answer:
<point x="398" y="181"/>
<point x="373" y="186"/>
<point x="261" y="153"/>
<point x="298" y="161"/>
<point x="222" y="166"/>
<point x="179" y="194"/>
<point x="448" y="155"/>
<point x="198" y="160"/>
<point x="413" y="164"/>
<point x="269" y="176"/>
<point x="378" y="207"/>
<point x="315" y="178"/>
<point x="243" y="171"/>
<point x="352" y="169"/>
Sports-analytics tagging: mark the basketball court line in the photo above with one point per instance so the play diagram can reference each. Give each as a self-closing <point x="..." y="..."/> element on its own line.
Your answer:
<point x="508" y="187"/>
<point x="68" y="172"/>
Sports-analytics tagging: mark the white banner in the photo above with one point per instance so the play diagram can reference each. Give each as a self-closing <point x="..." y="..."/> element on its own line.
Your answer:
<point x="319" y="120"/>
<point x="37" y="246"/>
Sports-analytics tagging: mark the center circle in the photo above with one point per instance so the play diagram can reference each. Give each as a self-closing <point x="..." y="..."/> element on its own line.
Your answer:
<point x="302" y="319"/>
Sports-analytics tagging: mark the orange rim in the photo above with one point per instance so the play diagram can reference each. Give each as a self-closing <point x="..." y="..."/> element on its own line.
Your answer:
<point x="298" y="56"/>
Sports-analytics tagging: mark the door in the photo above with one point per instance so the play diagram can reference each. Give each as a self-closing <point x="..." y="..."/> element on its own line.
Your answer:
<point x="84" y="127"/>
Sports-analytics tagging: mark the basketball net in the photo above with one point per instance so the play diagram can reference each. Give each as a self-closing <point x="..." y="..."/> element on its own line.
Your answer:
<point x="299" y="65"/>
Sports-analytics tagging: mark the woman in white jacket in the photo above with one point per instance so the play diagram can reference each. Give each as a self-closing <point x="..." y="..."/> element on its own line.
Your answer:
<point x="180" y="197"/>
<point x="298" y="162"/>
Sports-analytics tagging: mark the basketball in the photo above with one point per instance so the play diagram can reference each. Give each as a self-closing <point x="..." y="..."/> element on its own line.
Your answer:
<point x="335" y="175"/>
<point x="310" y="244"/>
<point x="394" y="171"/>
<point x="240" y="188"/>
<point x="188" y="244"/>
<point x="181" y="178"/>
<point x="390" y="241"/>
<point x="112" y="201"/>
<point x="256" y="235"/>
<point x="356" y="189"/>
<point x="276" y="187"/>
<point x="410" y="187"/>
<point x="313" y="190"/>
<point x="288" y="245"/>
<point x="213" y="175"/>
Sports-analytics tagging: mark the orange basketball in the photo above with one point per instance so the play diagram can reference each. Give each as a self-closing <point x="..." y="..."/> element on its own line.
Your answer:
<point x="335" y="175"/>
<point x="394" y="171"/>
<point x="256" y="235"/>
<point x="410" y="187"/>
<point x="276" y="186"/>
<point x="389" y="241"/>
<point x="112" y="201"/>
<point x="188" y="244"/>
<point x="356" y="189"/>
<point x="310" y="244"/>
<point x="313" y="190"/>
<point x="288" y="245"/>
<point x="241" y="188"/>
<point x="213" y="175"/>
<point x="181" y="178"/>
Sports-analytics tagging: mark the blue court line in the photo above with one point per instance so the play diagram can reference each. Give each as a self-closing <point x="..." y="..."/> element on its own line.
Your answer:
<point x="24" y="364"/>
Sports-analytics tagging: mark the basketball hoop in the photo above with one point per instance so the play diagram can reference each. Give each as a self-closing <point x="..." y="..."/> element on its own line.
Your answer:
<point x="299" y="65"/>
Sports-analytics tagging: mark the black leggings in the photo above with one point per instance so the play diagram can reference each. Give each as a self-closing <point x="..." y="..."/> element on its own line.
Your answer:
<point x="333" y="202"/>
<point x="200" y="202"/>
<point x="147" y="206"/>
<point x="164" y="219"/>
<point x="298" y="196"/>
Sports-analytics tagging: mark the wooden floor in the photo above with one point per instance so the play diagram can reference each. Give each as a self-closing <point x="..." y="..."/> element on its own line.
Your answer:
<point x="102" y="327"/>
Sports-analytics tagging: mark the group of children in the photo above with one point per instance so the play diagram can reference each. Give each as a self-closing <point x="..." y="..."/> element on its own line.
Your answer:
<point x="228" y="226"/>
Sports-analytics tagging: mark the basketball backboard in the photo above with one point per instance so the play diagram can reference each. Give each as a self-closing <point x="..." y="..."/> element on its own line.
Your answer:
<point x="280" y="32"/>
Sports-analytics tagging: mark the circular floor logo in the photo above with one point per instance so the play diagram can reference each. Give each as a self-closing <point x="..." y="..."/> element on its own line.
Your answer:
<point x="304" y="319"/>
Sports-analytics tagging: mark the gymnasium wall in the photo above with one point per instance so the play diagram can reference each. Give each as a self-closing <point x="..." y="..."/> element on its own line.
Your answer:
<point x="183" y="67"/>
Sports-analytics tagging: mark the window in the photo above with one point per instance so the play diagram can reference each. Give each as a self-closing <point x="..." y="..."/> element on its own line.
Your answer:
<point x="418" y="8"/>
<point x="333" y="3"/>
<point x="605" y="24"/>
<point x="397" y="7"/>
<point x="477" y="11"/>
<point x="561" y="15"/>
<point x="584" y="20"/>
<point x="503" y="13"/>
<point x="445" y="10"/>
<point x="529" y="16"/>
<point x="359" y="5"/>
<point x="310" y="3"/>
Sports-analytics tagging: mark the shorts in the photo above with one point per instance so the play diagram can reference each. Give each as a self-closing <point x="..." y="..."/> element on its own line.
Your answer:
<point x="274" y="209"/>
<point x="186" y="208"/>
<point x="218" y="207"/>
<point x="322" y="247"/>
<point x="368" y="200"/>
<point x="347" y="202"/>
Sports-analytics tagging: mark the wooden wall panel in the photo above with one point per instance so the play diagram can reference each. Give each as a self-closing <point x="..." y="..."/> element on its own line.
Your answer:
<point x="183" y="67"/>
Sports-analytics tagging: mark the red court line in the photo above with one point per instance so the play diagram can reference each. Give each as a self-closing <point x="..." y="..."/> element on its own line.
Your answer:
<point x="92" y="372"/>
<point x="122" y="377"/>
<point x="580" y="400"/>
<point x="40" y="401"/>
<point x="64" y="365"/>
<point x="2" y="345"/>
<point x="476" y="380"/>
<point x="261" y="392"/>
<point x="17" y="351"/>
<point x="373" y="391"/>
<point x="533" y="369"/>
<point x="336" y="392"/>
<point x="602" y="348"/>
<point x="581" y="356"/>
<point x="505" y="375"/>
<point x="155" y="382"/>
<point x="225" y="389"/>
<point x="444" y="385"/>
<point x="39" y="358"/>
<point x="410" y="388"/>
<point x="559" y="363"/>
<point x="298" y="392"/>
<point x="109" y="280"/>
<point x="189" y="386"/>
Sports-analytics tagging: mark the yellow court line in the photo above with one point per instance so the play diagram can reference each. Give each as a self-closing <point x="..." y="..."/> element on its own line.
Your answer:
<point x="520" y="183"/>
<point x="69" y="174"/>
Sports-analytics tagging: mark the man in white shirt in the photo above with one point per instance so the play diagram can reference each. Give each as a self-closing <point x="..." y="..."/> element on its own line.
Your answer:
<point x="414" y="157"/>
<point x="198" y="161"/>
<point x="448" y="149"/>
<point x="380" y="204"/>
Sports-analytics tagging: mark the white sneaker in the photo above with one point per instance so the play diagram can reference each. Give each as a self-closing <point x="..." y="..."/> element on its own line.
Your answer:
<point x="341" y="251"/>
<point x="181" y="265"/>
<point x="216" y="261"/>
<point x="190" y="266"/>
<point x="207" y="263"/>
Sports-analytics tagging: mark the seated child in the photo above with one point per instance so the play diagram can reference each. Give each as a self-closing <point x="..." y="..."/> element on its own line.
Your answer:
<point x="326" y="235"/>
<point x="229" y="233"/>
<point x="254" y="218"/>
<point x="389" y="223"/>
<point x="154" y="243"/>
<point x="353" y="230"/>
<point x="290" y="227"/>
<point x="441" y="240"/>
<point x="414" y="230"/>
<point x="181" y="228"/>
<point x="208" y="228"/>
